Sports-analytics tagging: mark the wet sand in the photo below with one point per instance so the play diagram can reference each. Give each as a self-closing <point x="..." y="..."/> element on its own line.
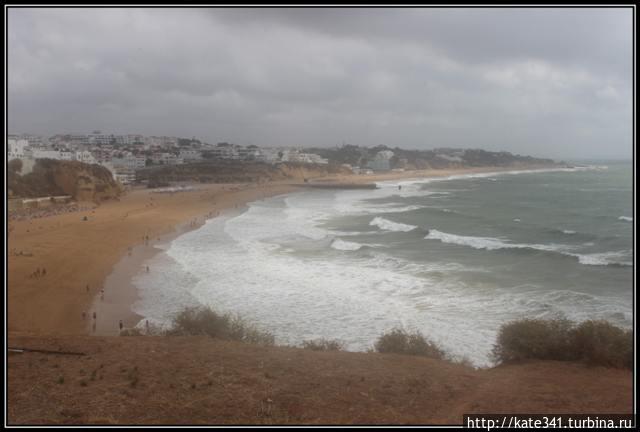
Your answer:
<point x="120" y="292"/>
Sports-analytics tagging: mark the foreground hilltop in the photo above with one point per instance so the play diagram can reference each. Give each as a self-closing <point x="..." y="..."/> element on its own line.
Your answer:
<point x="199" y="380"/>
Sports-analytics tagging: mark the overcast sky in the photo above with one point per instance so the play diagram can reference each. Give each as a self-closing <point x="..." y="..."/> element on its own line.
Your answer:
<point x="545" y="82"/>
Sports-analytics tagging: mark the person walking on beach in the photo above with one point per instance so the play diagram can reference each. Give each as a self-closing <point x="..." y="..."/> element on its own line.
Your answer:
<point x="147" y="269"/>
<point x="146" y="324"/>
<point x="87" y="287"/>
<point x="84" y="316"/>
<point x="94" y="316"/>
<point x="121" y="325"/>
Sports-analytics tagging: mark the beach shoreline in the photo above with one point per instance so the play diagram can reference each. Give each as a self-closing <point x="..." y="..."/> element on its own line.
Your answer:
<point x="123" y="293"/>
<point x="99" y="248"/>
<point x="81" y="250"/>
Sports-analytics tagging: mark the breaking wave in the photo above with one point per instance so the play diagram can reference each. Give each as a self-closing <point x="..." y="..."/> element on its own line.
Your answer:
<point x="490" y="243"/>
<point x="388" y="225"/>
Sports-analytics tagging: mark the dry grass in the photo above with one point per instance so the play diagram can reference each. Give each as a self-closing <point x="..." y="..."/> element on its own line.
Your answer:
<point x="130" y="332"/>
<point x="323" y="345"/>
<point x="204" y="380"/>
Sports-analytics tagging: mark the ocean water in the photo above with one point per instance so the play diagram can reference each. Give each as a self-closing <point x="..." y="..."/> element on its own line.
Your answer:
<point x="451" y="257"/>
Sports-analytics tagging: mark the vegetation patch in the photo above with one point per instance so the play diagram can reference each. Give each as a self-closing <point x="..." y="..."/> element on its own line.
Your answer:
<point x="593" y="342"/>
<point x="206" y="321"/>
<point x="323" y="345"/>
<point x="400" y="341"/>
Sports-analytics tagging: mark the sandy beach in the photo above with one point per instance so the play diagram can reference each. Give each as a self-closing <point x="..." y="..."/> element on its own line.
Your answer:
<point x="79" y="255"/>
<point x="90" y="263"/>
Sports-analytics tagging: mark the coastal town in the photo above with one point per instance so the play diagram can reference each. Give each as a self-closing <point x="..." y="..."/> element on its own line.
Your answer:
<point x="126" y="156"/>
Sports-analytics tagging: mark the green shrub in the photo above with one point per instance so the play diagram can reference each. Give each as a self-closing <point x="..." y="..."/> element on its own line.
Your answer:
<point x="594" y="342"/>
<point x="533" y="338"/>
<point x="323" y="345"/>
<point x="402" y="342"/>
<point x="205" y="321"/>
<point x="601" y="343"/>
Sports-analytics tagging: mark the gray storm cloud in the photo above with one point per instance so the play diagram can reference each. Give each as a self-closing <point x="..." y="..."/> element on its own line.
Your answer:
<point x="545" y="82"/>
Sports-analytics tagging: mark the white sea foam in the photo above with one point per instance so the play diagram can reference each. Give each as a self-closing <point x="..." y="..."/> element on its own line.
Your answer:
<point x="360" y="208"/>
<point x="516" y="220"/>
<point x="626" y="218"/>
<point x="344" y="245"/>
<point x="388" y="225"/>
<point x="603" y="259"/>
<point x="568" y="232"/>
<point x="352" y="233"/>
<point x="490" y="243"/>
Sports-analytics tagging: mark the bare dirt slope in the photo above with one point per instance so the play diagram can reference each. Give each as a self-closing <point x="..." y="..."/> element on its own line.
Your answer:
<point x="198" y="380"/>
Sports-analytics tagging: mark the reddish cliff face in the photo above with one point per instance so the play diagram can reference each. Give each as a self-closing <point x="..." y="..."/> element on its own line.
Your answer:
<point x="82" y="181"/>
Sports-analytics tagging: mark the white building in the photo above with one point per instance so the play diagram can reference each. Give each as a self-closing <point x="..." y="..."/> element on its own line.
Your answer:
<point x="190" y="155"/>
<point x="268" y="155"/>
<point x="296" y="156"/>
<point x="316" y="159"/>
<point x="449" y="158"/>
<point x="226" y="151"/>
<point x="381" y="161"/>
<point x="129" y="162"/>
<point x="85" y="156"/>
<point x="132" y="139"/>
<point x="67" y="155"/>
<point x="167" y="159"/>
<point x="53" y="154"/>
<point x="121" y="174"/>
<point x="125" y="177"/>
<point x="17" y="148"/>
<point x="99" y="139"/>
<point x="163" y="141"/>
